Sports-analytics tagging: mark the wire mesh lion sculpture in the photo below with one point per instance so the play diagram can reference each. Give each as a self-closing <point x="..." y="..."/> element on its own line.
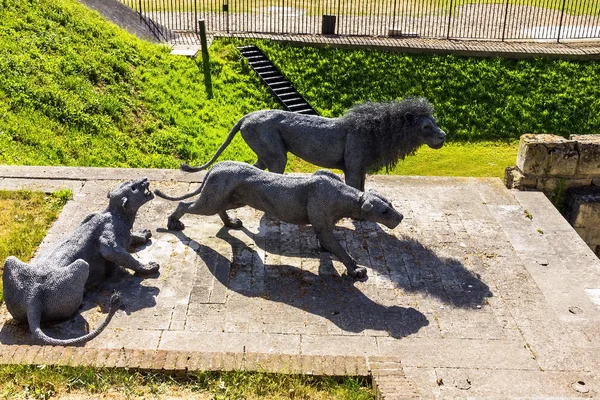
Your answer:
<point x="368" y="137"/>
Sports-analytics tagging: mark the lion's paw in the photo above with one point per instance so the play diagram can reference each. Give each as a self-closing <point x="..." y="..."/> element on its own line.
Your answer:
<point x="175" y="225"/>
<point x="235" y="223"/>
<point x="358" y="273"/>
<point x="146" y="234"/>
<point x="150" y="268"/>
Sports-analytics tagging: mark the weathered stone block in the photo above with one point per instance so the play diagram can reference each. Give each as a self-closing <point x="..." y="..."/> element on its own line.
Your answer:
<point x="546" y="154"/>
<point x="588" y="147"/>
<point x="584" y="208"/>
<point x="591" y="236"/>
<point x="588" y="215"/>
<point x="584" y="214"/>
<point x="514" y="179"/>
<point x="551" y="185"/>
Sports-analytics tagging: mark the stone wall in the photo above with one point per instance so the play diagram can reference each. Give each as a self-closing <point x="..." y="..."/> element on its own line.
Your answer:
<point x="568" y="172"/>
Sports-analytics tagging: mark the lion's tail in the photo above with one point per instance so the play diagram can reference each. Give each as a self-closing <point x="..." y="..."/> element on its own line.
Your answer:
<point x="185" y="196"/>
<point x="232" y="133"/>
<point x="34" y="316"/>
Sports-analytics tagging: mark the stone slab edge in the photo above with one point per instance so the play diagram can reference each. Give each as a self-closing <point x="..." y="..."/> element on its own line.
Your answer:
<point x="96" y="173"/>
<point x="184" y="361"/>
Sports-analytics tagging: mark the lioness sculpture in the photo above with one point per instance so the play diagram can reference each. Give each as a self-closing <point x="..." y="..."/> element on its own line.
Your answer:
<point x="321" y="200"/>
<point x="51" y="287"/>
<point x="368" y="137"/>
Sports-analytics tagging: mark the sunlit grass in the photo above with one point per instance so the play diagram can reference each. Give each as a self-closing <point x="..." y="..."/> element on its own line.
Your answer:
<point x="480" y="159"/>
<point x="41" y="382"/>
<point x="24" y="220"/>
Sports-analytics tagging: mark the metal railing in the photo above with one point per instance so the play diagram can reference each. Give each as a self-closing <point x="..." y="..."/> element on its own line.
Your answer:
<point x="553" y="20"/>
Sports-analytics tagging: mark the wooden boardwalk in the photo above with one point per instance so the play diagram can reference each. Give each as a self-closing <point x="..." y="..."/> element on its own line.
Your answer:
<point x="574" y="50"/>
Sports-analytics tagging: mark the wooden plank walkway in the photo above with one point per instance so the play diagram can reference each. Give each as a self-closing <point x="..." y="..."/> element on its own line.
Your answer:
<point x="575" y="50"/>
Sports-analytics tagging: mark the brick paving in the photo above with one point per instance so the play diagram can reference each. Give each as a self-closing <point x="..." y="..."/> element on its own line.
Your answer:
<point x="468" y="297"/>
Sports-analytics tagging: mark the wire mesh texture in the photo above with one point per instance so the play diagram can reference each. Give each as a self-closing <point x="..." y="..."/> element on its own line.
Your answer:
<point x="551" y="20"/>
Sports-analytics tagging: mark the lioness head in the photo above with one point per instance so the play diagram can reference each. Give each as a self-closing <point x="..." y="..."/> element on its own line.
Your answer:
<point x="377" y="208"/>
<point x="130" y="196"/>
<point x="427" y="130"/>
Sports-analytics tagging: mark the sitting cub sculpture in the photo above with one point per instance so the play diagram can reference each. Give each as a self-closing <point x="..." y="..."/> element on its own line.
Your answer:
<point x="51" y="287"/>
<point x="321" y="200"/>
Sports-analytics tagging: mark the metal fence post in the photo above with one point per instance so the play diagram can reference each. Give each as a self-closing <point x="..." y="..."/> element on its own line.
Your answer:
<point x="205" y="60"/>
<point x="449" y="19"/>
<point x="562" y="14"/>
<point x="195" y="17"/>
<point x="226" y="11"/>
<point x="505" y="20"/>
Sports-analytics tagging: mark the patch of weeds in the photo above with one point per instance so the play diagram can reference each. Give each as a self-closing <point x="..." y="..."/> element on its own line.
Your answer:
<point x="528" y="215"/>
<point x="559" y="196"/>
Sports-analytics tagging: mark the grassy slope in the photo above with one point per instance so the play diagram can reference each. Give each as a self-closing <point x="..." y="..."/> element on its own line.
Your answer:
<point x="76" y="90"/>
<point x="475" y="98"/>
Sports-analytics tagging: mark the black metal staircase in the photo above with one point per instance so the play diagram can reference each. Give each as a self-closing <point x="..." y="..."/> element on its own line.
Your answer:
<point x="278" y="85"/>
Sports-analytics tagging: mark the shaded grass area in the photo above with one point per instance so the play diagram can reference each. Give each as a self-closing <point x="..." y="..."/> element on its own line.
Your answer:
<point x="43" y="382"/>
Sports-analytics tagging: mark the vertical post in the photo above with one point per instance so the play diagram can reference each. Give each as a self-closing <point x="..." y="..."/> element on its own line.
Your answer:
<point x="195" y="17"/>
<point x="226" y="11"/>
<point x="205" y="60"/>
<point x="449" y="19"/>
<point x="505" y="20"/>
<point x="562" y="14"/>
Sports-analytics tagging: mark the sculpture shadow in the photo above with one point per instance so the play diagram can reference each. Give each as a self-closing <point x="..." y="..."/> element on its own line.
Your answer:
<point x="327" y="294"/>
<point x="134" y="297"/>
<point x="406" y="262"/>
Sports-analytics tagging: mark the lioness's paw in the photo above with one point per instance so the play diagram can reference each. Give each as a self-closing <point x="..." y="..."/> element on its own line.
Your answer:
<point x="150" y="268"/>
<point x="234" y="223"/>
<point x="358" y="273"/>
<point x="175" y="225"/>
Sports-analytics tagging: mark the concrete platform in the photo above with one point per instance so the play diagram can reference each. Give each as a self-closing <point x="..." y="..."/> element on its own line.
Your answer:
<point x="468" y="298"/>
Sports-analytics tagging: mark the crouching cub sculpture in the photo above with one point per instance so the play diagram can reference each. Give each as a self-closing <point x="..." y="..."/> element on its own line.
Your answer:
<point x="51" y="287"/>
<point x="320" y="200"/>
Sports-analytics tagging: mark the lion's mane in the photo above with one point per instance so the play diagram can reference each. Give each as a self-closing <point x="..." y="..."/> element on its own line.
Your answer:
<point x="384" y="131"/>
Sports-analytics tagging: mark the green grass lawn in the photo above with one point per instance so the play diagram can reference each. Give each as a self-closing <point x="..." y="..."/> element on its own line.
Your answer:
<point x="480" y="159"/>
<point x="461" y="159"/>
<point x="24" y="219"/>
<point x="76" y="90"/>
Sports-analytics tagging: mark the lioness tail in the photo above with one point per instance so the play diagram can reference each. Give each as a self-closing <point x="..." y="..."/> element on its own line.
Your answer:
<point x="185" y="196"/>
<point x="34" y="315"/>
<point x="232" y="133"/>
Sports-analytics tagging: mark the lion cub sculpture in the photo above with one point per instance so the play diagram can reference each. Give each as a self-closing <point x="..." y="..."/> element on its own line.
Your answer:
<point x="51" y="287"/>
<point x="321" y="200"/>
<point x="368" y="137"/>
